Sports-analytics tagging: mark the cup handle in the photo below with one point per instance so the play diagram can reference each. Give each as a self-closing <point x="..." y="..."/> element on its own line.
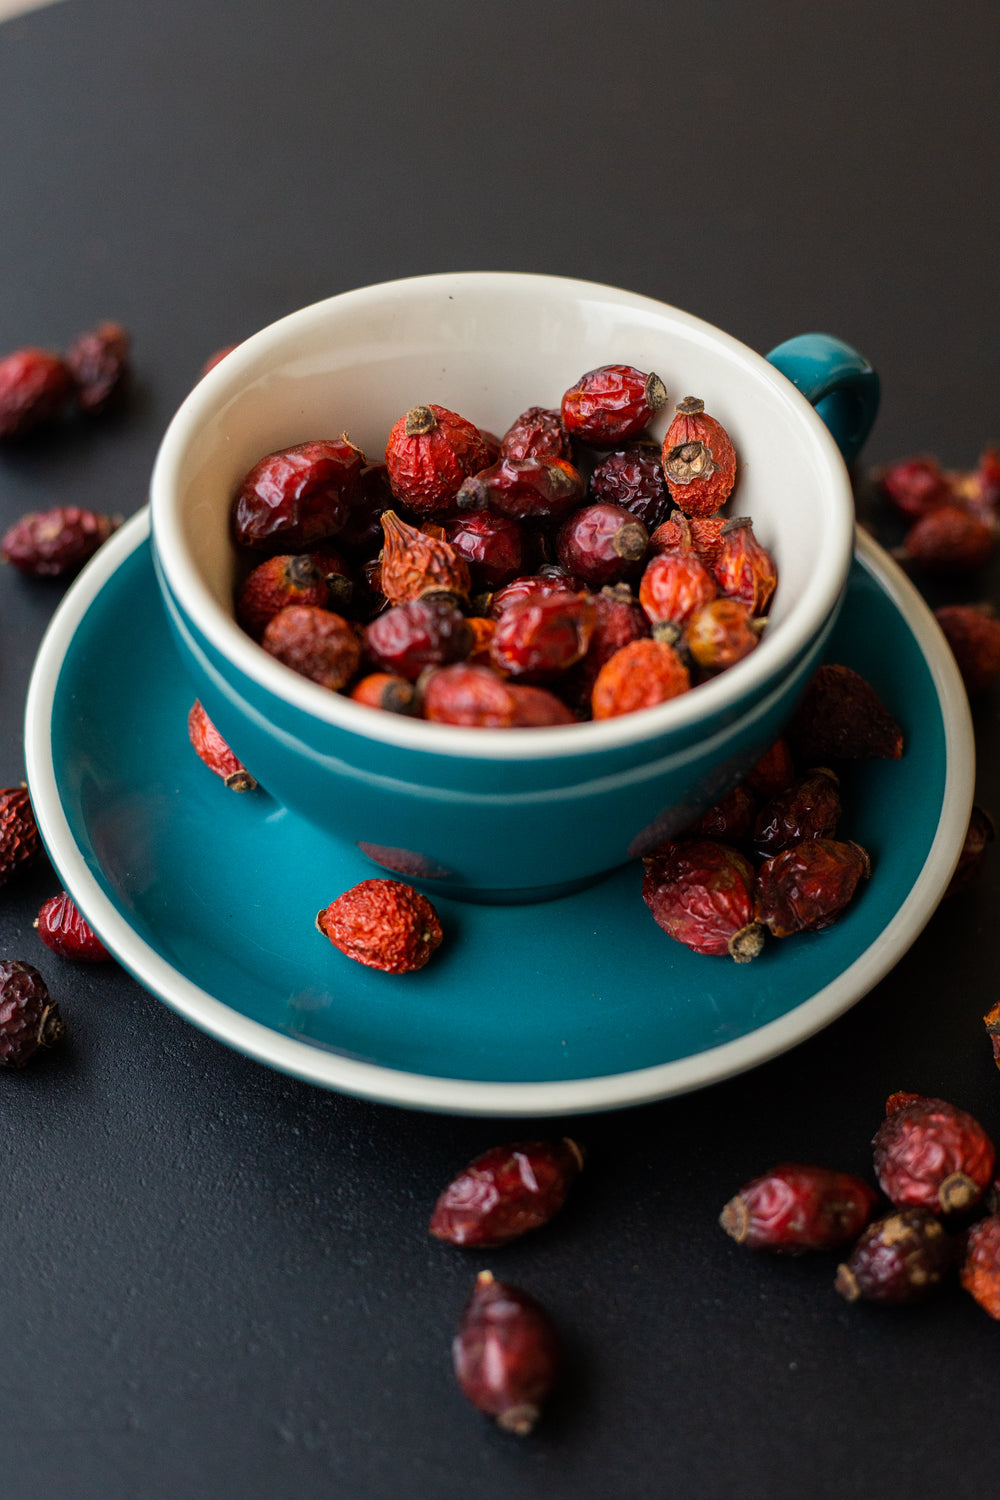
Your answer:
<point x="841" y="384"/>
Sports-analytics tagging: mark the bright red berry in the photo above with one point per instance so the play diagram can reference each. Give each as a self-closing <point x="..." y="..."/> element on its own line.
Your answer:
<point x="34" y="388"/>
<point x="699" y="461"/>
<point x="62" y="928"/>
<point x="506" y="1192"/>
<point x="383" y="924"/>
<point x="611" y="404"/>
<point x="212" y="749"/>
<point x="430" y="451"/>
<point x="929" y="1154"/>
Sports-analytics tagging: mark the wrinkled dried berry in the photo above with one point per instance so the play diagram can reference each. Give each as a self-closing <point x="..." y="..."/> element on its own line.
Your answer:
<point x="979" y="1272"/>
<point x="297" y="496"/>
<point x="524" y="489"/>
<point x="62" y="928"/>
<point x="701" y="535"/>
<point x="383" y="924"/>
<point x="633" y="478"/>
<point x="385" y="690"/>
<point x="672" y="587"/>
<point x="744" y="569"/>
<point x="701" y="894"/>
<point x="53" y="543"/>
<point x="212" y="749"/>
<point x="809" y="808"/>
<point x="899" y="1259"/>
<point x="506" y="1354"/>
<point x="806" y="887"/>
<point x="276" y="583"/>
<point x="476" y="697"/>
<point x="492" y="546"/>
<point x="928" y="1154"/>
<point x="618" y="619"/>
<point x="314" y="642"/>
<point x="29" y="1017"/>
<point x="428" y="632"/>
<point x="611" y="404"/>
<point x="34" y="388"/>
<point x="538" y="638"/>
<point x="641" y="674"/>
<point x="841" y="716"/>
<point x="99" y="364"/>
<point x="601" y="543"/>
<point x="915" y="486"/>
<point x="536" y="433"/>
<point x="430" y="452"/>
<point x="415" y="563"/>
<point x="534" y="585"/>
<point x="720" y="633"/>
<point x="699" y="462"/>
<point x="949" y="539"/>
<point x="978" y="836"/>
<point x="795" y="1207"/>
<point x="973" y="633"/>
<point x="19" y="839"/>
<point x="506" y="1192"/>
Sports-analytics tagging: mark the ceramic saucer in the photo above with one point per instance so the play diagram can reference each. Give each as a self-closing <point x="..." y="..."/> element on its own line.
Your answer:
<point x="209" y="897"/>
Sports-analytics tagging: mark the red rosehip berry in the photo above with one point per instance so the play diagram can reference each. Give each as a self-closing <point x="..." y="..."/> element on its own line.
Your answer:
<point x="973" y="633"/>
<point x="915" y="486"/>
<point x="276" y="583"/>
<point x="929" y="1154"/>
<point x="641" y="674"/>
<point x="672" y="587"/>
<point x="533" y="585"/>
<point x="314" y="642"/>
<point x="29" y="1017"/>
<point x="540" y="637"/>
<point x="808" y="808"/>
<point x="774" y="771"/>
<point x="720" y="633"/>
<point x="62" y="928"/>
<point x="492" y="546"/>
<point x="611" y="404"/>
<point x="536" y="433"/>
<point x="699" y="461"/>
<point x="19" y="839"/>
<point x="213" y="751"/>
<point x="297" y="496"/>
<point x="807" y="886"/>
<point x="428" y="632"/>
<point x="795" y="1207"/>
<point x="414" y="563"/>
<point x="980" y="1269"/>
<point x="601" y="543"/>
<point x="506" y="1354"/>
<point x="745" y="570"/>
<point x="701" y="894"/>
<point x="949" y="539"/>
<point x="383" y="924"/>
<point x="99" y="364"/>
<point x="56" y="542"/>
<point x="899" y="1259"/>
<point x="840" y="716"/>
<point x="633" y="478"/>
<point x="524" y="489"/>
<point x="34" y="388"/>
<point x="386" y="691"/>
<point x="430" y="452"/>
<point x="506" y="1192"/>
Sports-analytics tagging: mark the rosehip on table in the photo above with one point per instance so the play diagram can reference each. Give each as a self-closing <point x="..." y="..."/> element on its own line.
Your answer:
<point x="536" y="433"/>
<point x="506" y="1354"/>
<point x="297" y="496"/>
<point x="973" y="633"/>
<point x="35" y="386"/>
<point x="19" y="838"/>
<point x="428" y="632"/>
<point x="524" y="489"/>
<point x="641" y="674"/>
<point x="430" y="451"/>
<point x="841" y="716"/>
<point x="978" y="836"/>
<point x="702" y="895"/>
<point x="601" y="543"/>
<point x="64" y="930"/>
<point x="915" y="486"/>
<point x="949" y="539"/>
<point x="796" y="1207"/>
<point x="506" y="1192"/>
<point x="979" y="1272"/>
<point x="99" y="364"/>
<point x="53" y="543"/>
<point x="384" y="925"/>
<point x="899" y="1259"/>
<point x="699" y="461"/>
<point x="807" y="886"/>
<point x="212" y="749"/>
<point x="29" y="1017"/>
<point x="929" y="1154"/>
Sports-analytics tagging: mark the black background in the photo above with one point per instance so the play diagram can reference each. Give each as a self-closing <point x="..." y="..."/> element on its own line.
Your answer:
<point x="216" y="1280"/>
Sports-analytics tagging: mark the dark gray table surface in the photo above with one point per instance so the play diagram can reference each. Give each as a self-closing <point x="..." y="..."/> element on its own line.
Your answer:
<point x="216" y="1280"/>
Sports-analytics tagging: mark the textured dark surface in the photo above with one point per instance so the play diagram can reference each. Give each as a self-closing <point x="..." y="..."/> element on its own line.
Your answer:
<point x="216" y="1280"/>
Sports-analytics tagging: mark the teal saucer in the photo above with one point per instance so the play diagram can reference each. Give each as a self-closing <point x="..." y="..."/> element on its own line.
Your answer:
<point x="209" y="897"/>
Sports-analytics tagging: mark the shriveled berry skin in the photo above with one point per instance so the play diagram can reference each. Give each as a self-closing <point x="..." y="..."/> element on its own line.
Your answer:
<point x="641" y="674"/>
<point x="336" y="573"/>
<point x="795" y="1207"/>
<point x="386" y="691"/>
<point x="524" y="489"/>
<point x="633" y="478"/>
<point x="537" y="433"/>
<point x="601" y="543"/>
<point x="212" y="749"/>
<point x="899" y="1259"/>
<point x="384" y="925"/>
<point x="701" y="535"/>
<point x="841" y="716"/>
<point x="915" y="486"/>
<point x="430" y="452"/>
<point x="297" y="496"/>
<point x="809" y="808"/>
<point x="315" y="642"/>
<point x="62" y="928"/>
<point x="492" y="546"/>
<point x="611" y="404"/>
<point x="19" y="839"/>
<point x="618" y="619"/>
<point x="289" y="578"/>
<point x="53" y="543"/>
<point x="99" y="364"/>
<point x="980" y="1269"/>
<point x="537" y="639"/>
<point x="426" y="632"/>
<point x="673" y="586"/>
<point x="978" y="836"/>
<point x="973" y="633"/>
<point x="506" y="1192"/>
<point x="701" y="894"/>
<point x="699" y="462"/>
<point x="807" y="886"/>
<point x="35" y="386"/>
<point x="929" y="1154"/>
<point x="29" y="1017"/>
<point x="720" y="633"/>
<point x="414" y="563"/>
<point x="506" y="1354"/>
<point x="533" y="585"/>
<point x="744" y="569"/>
<point x="476" y="697"/>
<point x="949" y="539"/>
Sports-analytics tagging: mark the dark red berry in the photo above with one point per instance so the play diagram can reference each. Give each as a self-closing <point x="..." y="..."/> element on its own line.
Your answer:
<point x="701" y="894"/>
<point x="533" y="585"/>
<point x="897" y="1260"/>
<point x="34" y="388"/>
<point x="601" y="543"/>
<point x="492" y="546"/>
<point x="539" y="638"/>
<point x="915" y="486"/>
<point x="809" y="808"/>
<point x="973" y="633"/>
<point x="611" y="404"/>
<point x="297" y="496"/>
<point x="928" y="1154"/>
<point x="426" y="632"/>
<point x="275" y="583"/>
<point x="51" y="543"/>
<point x="314" y="642"/>
<point x="212" y="749"/>
<point x="841" y="716"/>
<point x="19" y="839"/>
<point x="949" y="539"/>
<point x="536" y="433"/>
<point x="730" y="820"/>
<point x="361" y="533"/>
<point x="476" y="697"/>
<point x="807" y="886"/>
<point x="794" y="1208"/>
<point x="62" y="928"/>
<point x="774" y="771"/>
<point x="633" y="478"/>
<point x="524" y="489"/>
<point x="505" y="1192"/>
<point x="29" y="1018"/>
<point x="99" y="364"/>
<point x="506" y="1354"/>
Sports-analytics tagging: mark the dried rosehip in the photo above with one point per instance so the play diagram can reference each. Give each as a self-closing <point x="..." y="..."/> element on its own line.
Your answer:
<point x="539" y="638"/>
<point x="774" y="771"/>
<point x="427" y="632"/>
<point x="52" y="543"/>
<point x="29" y="1017"/>
<point x="506" y="1354"/>
<point x="618" y="619"/>
<point x="99" y="364"/>
<point x="537" y="708"/>
<point x="897" y="1260"/>
<point x="34" y="387"/>
<point x="62" y="928"/>
<point x="806" y="887"/>
<point x="809" y="808"/>
<point x="414" y="564"/>
<point x="949" y="539"/>
<point x="720" y="633"/>
<point x="915" y="486"/>
<point x="19" y="839"/>
<point x="506" y="1192"/>
<point x="744" y="569"/>
<point x="730" y="820"/>
<point x="216" y="754"/>
<point x="524" y="489"/>
<point x="536" y="433"/>
<point x="533" y="585"/>
<point x="928" y="1154"/>
<point x="672" y="587"/>
<point x="699" y="462"/>
<point x="701" y="535"/>
<point x="701" y="894"/>
<point x="477" y="698"/>
<point x="979" y="1272"/>
<point x="280" y="581"/>
<point x="297" y="496"/>
<point x="492" y="546"/>
<point x="314" y="642"/>
<point x="429" y="453"/>
<point x="385" y="690"/>
<point x="601" y="543"/>
<point x="383" y="924"/>
<point x="794" y="1208"/>
<point x="633" y="478"/>
<point x="973" y="633"/>
<point x="841" y="716"/>
<point x="978" y="836"/>
<point x="641" y="674"/>
<point x="611" y="404"/>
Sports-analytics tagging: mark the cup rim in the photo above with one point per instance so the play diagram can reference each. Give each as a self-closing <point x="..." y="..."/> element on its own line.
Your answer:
<point x="179" y="574"/>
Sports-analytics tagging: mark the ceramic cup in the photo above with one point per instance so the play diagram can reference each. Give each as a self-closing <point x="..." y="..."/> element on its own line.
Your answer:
<point x="504" y="815"/>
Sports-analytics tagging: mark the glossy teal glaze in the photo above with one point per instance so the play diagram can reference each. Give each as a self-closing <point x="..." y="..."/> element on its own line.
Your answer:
<point x="837" y="380"/>
<point x="224" y="887"/>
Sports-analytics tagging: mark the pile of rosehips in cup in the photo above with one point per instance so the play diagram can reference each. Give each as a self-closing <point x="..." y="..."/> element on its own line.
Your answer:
<point x="572" y="569"/>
